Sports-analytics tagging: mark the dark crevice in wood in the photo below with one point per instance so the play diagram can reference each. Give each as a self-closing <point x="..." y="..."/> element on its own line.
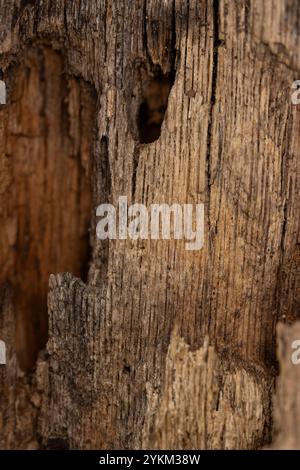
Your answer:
<point x="57" y="443"/>
<point x="155" y="87"/>
<point x="153" y="106"/>
<point x="216" y="44"/>
<point x="102" y="189"/>
<point x="24" y="3"/>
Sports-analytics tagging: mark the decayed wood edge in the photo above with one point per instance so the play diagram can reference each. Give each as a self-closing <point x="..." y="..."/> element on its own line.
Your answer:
<point x="286" y="407"/>
<point x="208" y="402"/>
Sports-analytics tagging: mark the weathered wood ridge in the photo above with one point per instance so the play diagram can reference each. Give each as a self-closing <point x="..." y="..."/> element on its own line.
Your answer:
<point x="169" y="101"/>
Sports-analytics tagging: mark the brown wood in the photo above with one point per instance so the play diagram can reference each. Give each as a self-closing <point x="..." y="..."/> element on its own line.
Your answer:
<point x="46" y="204"/>
<point x="182" y="101"/>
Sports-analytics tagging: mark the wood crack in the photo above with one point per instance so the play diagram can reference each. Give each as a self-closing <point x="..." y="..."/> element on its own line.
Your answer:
<point x="216" y="44"/>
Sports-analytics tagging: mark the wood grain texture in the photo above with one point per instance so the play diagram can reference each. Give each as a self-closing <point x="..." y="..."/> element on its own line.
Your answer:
<point x="211" y="402"/>
<point x="230" y="139"/>
<point x="46" y="196"/>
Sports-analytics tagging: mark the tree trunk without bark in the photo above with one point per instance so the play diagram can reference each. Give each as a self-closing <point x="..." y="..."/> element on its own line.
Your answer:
<point x="145" y="344"/>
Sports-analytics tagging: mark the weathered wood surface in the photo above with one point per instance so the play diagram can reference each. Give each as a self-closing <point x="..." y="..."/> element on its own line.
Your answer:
<point x="230" y="139"/>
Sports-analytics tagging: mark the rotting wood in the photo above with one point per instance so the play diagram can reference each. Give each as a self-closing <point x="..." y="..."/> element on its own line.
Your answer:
<point x="45" y="206"/>
<point x="229" y="138"/>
